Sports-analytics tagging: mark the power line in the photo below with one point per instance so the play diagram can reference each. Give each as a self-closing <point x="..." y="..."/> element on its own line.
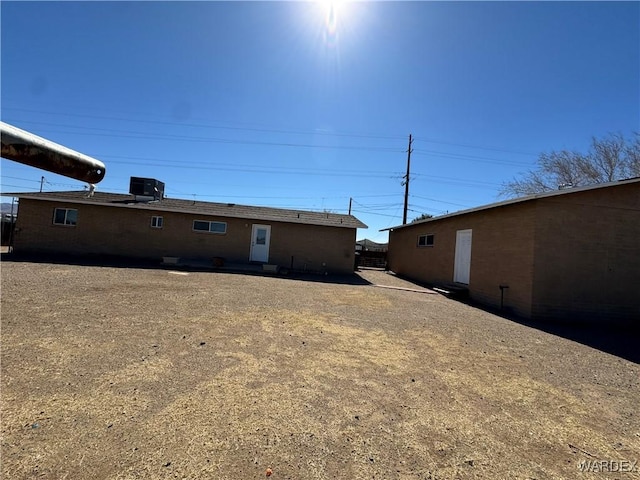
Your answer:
<point x="221" y="127"/>
<point x="437" y="212"/>
<point x="261" y="169"/>
<point x="271" y="130"/>
<point x="440" y="201"/>
<point x="265" y="197"/>
<point x="56" y="184"/>
<point x="18" y="178"/>
<point x="281" y="131"/>
<point x="314" y="172"/>
<point x="17" y="186"/>
<point x="397" y="214"/>
<point x="188" y="138"/>
<point x="243" y="165"/>
<point x="382" y="195"/>
<point x="424" y="176"/>
<point x="374" y="213"/>
<point x="458" y="156"/>
<point x="478" y="147"/>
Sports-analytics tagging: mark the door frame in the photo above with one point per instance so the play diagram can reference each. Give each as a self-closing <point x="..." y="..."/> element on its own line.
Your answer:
<point x="463" y="271"/>
<point x="267" y="246"/>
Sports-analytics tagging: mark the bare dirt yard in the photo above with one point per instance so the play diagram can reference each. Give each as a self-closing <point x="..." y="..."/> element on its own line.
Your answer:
<point x="135" y="373"/>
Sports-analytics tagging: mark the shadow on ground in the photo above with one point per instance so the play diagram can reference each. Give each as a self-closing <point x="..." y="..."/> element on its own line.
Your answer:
<point x="619" y="339"/>
<point x="126" y="262"/>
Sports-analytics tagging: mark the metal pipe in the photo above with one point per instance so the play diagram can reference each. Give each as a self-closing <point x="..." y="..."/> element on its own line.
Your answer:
<point x="24" y="147"/>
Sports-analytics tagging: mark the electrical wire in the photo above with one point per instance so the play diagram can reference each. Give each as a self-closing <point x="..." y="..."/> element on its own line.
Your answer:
<point x="185" y="138"/>
<point x="330" y="173"/>
<point x="16" y="186"/>
<point x="475" y="158"/>
<point x="374" y="213"/>
<point x="275" y="130"/>
<point x="221" y="127"/>
<point x="18" y="178"/>
<point x="478" y="147"/>
<point x="439" y="201"/>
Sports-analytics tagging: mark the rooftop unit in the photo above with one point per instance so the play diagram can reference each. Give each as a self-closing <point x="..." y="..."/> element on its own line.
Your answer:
<point x="146" y="189"/>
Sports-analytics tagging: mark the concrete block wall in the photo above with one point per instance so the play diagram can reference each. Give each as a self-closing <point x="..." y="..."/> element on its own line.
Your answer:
<point x="587" y="263"/>
<point x="127" y="231"/>
<point x="574" y="256"/>
<point x="313" y="248"/>
<point x="501" y="254"/>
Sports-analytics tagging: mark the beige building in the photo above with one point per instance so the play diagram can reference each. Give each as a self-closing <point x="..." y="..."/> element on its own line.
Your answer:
<point x="123" y="225"/>
<point x="572" y="254"/>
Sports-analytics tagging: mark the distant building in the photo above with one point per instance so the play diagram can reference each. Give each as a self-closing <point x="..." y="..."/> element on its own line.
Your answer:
<point x="571" y="254"/>
<point x="154" y="227"/>
<point x="371" y="254"/>
<point x="367" y="245"/>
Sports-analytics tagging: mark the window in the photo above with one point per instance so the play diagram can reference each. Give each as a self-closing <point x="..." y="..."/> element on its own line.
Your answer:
<point x="425" y="240"/>
<point x="211" y="227"/>
<point x="65" y="216"/>
<point x="156" y="222"/>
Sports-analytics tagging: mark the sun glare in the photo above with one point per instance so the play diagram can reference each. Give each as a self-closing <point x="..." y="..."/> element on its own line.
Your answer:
<point x="330" y="24"/>
<point x="332" y="13"/>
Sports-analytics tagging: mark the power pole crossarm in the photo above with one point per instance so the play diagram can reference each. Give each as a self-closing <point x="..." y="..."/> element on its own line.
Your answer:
<point x="406" y="182"/>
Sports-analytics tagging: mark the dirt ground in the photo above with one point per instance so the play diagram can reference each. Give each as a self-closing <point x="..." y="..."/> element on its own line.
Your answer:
<point x="134" y="373"/>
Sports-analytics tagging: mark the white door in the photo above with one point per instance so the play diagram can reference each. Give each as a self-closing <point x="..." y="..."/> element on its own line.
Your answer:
<point x="260" y="238"/>
<point x="462" y="263"/>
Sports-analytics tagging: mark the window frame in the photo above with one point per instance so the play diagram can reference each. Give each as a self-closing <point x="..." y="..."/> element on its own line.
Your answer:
<point x="157" y="221"/>
<point x="66" y="222"/>
<point x="426" y="237"/>
<point x="210" y="226"/>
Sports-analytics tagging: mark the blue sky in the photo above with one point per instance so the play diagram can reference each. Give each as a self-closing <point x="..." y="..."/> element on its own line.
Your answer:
<point x="287" y="105"/>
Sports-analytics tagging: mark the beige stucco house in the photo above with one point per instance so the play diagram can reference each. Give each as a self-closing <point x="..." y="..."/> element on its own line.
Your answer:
<point x="570" y="254"/>
<point x="124" y="225"/>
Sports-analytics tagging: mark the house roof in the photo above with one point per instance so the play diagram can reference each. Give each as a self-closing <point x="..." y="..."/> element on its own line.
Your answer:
<point x="529" y="198"/>
<point x="370" y="243"/>
<point x="230" y="210"/>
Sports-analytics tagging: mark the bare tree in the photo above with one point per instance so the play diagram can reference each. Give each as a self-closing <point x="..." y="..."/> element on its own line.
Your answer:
<point x="424" y="216"/>
<point x="633" y="156"/>
<point x="608" y="159"/>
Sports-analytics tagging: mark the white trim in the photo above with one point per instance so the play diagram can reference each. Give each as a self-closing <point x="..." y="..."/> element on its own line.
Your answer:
<point x="263" y="249"/>
<point x="66" y="214"/>
<point x="193" y="226"/>
<point x="426" y="237"/>
<point x="462" y="259"/>
<point x="159" y="221"/>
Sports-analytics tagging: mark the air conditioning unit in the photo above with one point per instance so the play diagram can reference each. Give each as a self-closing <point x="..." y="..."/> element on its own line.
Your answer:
<point x="146" y="187"/>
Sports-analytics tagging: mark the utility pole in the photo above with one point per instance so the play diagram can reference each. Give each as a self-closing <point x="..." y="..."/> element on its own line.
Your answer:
<point x="41" y="183"/>
<point x="350" y="200"/>
<point x="405" y="182"/>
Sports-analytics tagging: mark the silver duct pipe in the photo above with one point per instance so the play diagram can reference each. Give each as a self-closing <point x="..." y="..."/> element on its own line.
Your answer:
<point x="24" y="147"/>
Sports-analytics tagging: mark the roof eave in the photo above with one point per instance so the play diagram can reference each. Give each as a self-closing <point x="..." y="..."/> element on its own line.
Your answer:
<point x="353" y="223"/>
<point x="513" y="201"/>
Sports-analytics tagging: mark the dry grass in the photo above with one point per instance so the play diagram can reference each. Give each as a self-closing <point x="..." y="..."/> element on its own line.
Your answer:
<point x="125" y="373"/>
